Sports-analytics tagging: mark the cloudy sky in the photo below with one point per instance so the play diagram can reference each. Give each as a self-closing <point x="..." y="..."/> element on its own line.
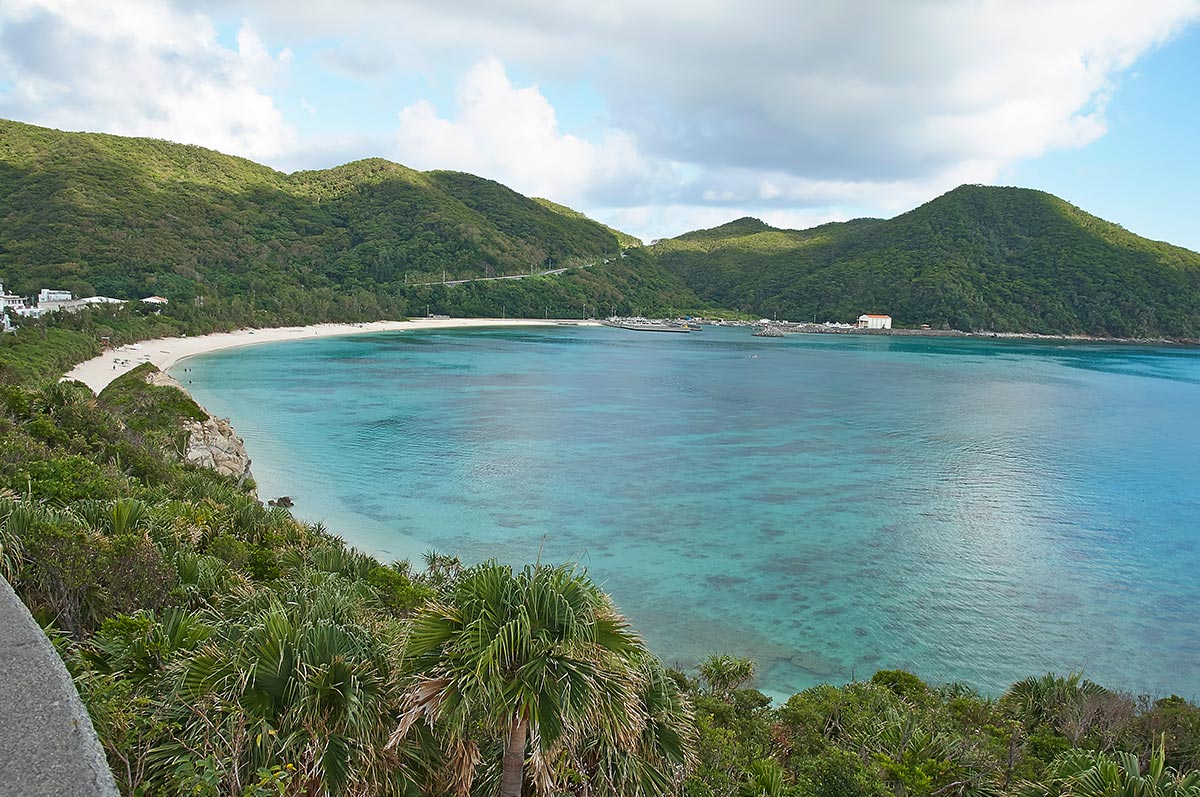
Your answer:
<point x="656" y="116"/>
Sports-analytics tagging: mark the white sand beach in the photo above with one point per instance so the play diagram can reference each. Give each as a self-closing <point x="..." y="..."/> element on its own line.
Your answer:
<point x="97" y="372"/>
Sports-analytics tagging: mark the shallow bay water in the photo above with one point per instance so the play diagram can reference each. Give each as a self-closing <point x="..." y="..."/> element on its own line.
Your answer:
<point x="971" y="510"/>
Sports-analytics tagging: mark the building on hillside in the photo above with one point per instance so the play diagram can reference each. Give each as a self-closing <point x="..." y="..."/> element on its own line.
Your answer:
<point x="11" y="299"/>
<point x="7" y="301"/>
<point x="155" y="304"/>
<point x="18" y="305"/>
<point x="73" y="305"/>
<point x="872" y="321"/>
<point x="47" y="295"/>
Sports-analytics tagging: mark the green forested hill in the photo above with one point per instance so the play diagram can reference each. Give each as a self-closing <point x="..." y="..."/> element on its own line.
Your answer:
<point x="982" y="258"/>
<point x="624" y="238"/>
<point x="232" y="243"/>
<point x="127" y="217"/>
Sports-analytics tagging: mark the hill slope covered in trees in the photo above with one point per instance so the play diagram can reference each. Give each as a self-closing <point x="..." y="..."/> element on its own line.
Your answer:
<point x="127" y="217"/>
<point x="249" y="245"/>
<point x="977" y="258"/>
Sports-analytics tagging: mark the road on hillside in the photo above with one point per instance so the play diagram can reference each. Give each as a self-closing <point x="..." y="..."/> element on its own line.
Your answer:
<point x="546" y="273"/>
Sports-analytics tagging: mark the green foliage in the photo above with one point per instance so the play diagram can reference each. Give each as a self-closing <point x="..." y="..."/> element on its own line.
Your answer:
<point x="904" y="684"/>
<point x="38" y="354"/>
<point x="397" y="590"/>
<point x="723" y="673"/>
<point x="234" y="244"/>
<point x="977" y="258"/>
<point x="626" y="240"/>
<point x="764" y="778"/>
<point x="540" y="657"/>
<point x="840" y="773"/>
<point x="152" y="410"/>
<point x="1089" y="773"/>
<point x="1175" y="724"/>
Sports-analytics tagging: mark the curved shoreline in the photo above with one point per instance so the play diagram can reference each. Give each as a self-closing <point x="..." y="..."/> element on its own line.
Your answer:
<point x="98" y="372"/>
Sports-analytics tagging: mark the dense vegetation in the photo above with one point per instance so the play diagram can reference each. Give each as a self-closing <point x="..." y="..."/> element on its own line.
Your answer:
<point x="224" y="648"/>
<point x="623" y="238"/>
<point x="977" y="258"/>
<point x="232" y="242"/>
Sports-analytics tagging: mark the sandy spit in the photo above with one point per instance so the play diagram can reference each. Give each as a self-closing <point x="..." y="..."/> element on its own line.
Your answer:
<point x="97" y="372"/>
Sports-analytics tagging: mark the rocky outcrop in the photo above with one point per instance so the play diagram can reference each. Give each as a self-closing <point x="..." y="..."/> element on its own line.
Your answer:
<point x="211" y="443"/>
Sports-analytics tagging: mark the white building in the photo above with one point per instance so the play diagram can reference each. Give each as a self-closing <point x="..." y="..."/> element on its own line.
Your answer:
<point x="47" y="295"/>
<point x="871" y="321"/>
<point x="10" y="299"/>
<point x="7" y="300"/>
<point x="73" y="305"/>
<point x="154" y="300"/>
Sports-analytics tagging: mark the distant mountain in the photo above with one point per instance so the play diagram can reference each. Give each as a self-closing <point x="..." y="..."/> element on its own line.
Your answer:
<point x="976" y="258"/>
<point x="125" y="217"/>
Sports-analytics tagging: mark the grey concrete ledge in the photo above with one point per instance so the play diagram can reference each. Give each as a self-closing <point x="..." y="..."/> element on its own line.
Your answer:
<point x="48" y="747"/>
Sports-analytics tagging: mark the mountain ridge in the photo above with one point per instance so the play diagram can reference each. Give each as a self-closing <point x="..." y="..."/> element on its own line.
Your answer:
<point x="992" y="258"/>
<point x="127" y="217"/>
<point x="97" y="213"/>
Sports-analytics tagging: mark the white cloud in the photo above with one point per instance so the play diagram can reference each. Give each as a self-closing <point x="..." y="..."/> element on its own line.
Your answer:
<point x="800" y="108"/>
<point x="777" y="102"/>
<point x="511" y="134"/>
<point x="140" y="68"/>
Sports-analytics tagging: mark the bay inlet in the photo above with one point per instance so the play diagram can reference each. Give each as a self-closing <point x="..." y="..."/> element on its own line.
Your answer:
<point x="974" y="511"/>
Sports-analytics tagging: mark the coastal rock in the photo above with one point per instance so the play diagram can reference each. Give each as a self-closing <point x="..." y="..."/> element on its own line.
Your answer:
<point x="159" y="379"/>
<point x="212" y="443"/>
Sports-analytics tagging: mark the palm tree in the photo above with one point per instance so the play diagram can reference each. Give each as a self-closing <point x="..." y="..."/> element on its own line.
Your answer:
<point x="1090" y="773"/>
<point x="660" y="758"/>
<point x="1046" y="699"/>
<point x="300" y="677"/>
<point x="764" y="778"/>
<point x="726" y="674"/>
<point x="539" y="658"/>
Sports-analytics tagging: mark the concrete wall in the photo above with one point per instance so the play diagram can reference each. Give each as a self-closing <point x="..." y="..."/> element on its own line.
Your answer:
<point x="47" y="745"/>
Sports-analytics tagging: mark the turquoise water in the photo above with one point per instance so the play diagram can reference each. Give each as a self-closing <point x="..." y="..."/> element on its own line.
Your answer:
<point x="970" y="510"/>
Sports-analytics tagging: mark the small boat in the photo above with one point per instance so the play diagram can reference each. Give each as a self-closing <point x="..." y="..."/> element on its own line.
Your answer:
<point x="645" y="326"/>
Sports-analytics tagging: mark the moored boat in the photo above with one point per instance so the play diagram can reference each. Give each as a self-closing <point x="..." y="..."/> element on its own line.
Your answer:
<point x="641" y="325"/>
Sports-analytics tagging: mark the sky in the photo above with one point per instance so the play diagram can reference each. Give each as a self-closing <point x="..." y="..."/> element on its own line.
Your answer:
<point x="654" y="116"/>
